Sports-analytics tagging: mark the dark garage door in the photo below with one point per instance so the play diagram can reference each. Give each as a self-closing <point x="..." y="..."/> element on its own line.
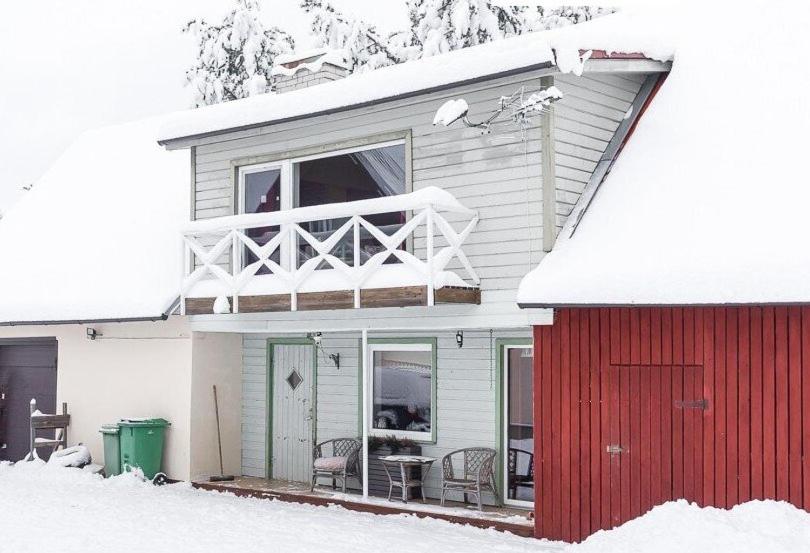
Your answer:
<point x="27" y="370"/>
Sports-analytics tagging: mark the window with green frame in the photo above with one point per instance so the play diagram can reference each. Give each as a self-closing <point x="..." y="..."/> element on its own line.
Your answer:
<point x="402" y="388"/>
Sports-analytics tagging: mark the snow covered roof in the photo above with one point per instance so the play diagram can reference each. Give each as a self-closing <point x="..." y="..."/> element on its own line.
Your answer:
<point x="98" y="236"/>
<point x="708" y="202"/>
<point x="620" y="32"/>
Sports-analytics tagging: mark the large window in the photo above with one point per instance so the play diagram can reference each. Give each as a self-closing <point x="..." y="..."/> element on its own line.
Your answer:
<point x="403" y="390"/>
<point x="342" y="176"/>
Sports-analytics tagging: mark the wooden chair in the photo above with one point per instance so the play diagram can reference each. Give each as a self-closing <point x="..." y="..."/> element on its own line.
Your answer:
<point x="58" y="424"/>
<point x="478" y="475"/>
<point x="338" y="458"/>
<point x="516" y="479"/>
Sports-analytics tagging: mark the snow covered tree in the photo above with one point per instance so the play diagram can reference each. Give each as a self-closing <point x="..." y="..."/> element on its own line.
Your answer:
<point x="439" y="26"/>
<point x="235" y="55"/>
<point x="436" y="26"/>
<point x="540" y="18"/>
<point x="364" y="46"/>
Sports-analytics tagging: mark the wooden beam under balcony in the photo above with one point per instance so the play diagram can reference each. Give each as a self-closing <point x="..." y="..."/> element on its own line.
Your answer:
<point x="401" y="296"/>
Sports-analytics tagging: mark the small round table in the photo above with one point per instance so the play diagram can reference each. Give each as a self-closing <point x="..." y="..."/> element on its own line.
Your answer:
<point x="403" y="463"/>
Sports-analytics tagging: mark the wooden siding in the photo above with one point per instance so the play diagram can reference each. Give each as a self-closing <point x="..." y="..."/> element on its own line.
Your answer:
<point x="466" y="380"/>
<point x="635" y="377"/>
<point x="497" y="174"/>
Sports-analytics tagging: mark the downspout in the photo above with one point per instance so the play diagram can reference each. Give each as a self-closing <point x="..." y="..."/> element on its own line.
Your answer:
<point x="365" y="410"/>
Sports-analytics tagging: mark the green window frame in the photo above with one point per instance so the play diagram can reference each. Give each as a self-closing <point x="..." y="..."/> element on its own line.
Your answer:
<point x="501" y="347"/>
<point x="391" y="344"/>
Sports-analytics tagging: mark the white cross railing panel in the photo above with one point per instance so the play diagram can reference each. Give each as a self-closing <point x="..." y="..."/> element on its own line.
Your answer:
<point x="230" y="236"/>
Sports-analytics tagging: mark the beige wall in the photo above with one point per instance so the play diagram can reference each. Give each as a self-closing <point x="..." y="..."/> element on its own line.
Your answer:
<point x="133" y="370"/>
<point x="217" y="360"/>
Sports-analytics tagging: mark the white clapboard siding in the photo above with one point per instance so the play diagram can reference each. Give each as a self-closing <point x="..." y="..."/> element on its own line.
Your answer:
<point x="586" y="118"/>
<point x="466" y="381"/>
<point x="498" y="174"/>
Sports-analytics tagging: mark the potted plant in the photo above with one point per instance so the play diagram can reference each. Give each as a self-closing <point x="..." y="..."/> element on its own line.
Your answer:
<point x="381" y="446"/>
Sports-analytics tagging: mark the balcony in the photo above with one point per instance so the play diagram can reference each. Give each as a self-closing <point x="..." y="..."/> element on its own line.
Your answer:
<point x="331" y="256"/>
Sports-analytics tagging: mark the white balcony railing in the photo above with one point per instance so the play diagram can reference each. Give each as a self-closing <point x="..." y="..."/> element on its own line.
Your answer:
<point x="221" y="259"/>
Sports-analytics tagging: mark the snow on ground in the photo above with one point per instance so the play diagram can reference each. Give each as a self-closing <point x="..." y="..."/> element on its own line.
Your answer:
<point x="53" y="509"/>
<point x="678" y="527"/>
<point x="45" y="508"/>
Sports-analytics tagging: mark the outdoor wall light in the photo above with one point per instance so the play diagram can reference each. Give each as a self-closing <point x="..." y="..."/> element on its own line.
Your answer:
<point x="317" y="338"/>
<point x="92" y="334"/>
<point x="460" y="338"/>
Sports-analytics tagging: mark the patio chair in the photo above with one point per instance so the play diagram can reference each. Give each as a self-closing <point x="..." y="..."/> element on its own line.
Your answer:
<point x="478" y="475"/>
<point x="516" y="478"/>
<point x="336" y="459"/>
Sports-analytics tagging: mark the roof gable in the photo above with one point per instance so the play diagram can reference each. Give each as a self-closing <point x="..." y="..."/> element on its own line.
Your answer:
<point x="705" y="204"/>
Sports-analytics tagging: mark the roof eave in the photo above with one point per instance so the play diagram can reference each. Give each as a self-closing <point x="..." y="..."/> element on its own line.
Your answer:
<point x="597" y="57"/>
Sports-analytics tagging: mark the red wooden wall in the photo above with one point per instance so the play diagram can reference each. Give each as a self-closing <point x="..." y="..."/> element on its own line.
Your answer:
<point x="636" y="377"/>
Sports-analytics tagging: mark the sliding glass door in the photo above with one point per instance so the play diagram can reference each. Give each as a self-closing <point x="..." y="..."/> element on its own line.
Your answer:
<point x="518" y="428"/>
<point x="260" y="191"/>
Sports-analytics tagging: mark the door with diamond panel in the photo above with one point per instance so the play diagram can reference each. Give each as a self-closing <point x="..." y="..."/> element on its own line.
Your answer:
<point x="292" y="411"/>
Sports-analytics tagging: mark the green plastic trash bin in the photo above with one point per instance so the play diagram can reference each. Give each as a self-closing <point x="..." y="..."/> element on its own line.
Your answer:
<point x="112" y="449"/>
<point x="142" y="444"/>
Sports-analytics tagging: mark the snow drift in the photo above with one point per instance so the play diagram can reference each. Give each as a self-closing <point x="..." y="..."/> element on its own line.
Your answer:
<point x="77" y="512"/>
<point x="754" y="527"/>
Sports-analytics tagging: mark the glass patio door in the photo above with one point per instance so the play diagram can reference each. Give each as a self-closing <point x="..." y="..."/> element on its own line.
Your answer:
<point x="261" y="191"/>
<point x="518" y="431"/>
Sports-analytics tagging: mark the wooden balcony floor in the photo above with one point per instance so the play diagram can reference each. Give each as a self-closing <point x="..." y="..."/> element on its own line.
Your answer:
<point x="401" y="296"/>
<point x="504" y="519"/>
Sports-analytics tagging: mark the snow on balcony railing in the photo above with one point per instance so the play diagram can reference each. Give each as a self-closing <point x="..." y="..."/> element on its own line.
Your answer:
<point x="276" y="265"/>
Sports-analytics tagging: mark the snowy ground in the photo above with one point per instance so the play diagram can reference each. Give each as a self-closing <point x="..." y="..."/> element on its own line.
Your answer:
<point x="47" y="509"/>
<point x="66" y="510"/>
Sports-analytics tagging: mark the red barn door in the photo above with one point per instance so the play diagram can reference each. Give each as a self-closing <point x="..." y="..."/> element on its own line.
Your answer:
<point x="654" y="431"/>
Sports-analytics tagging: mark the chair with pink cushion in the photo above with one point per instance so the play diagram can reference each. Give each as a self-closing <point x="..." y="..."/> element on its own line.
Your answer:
<point x="336" y="459"/>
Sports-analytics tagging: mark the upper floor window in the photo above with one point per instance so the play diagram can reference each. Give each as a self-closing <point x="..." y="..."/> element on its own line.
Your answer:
<point x="343" y="176"/>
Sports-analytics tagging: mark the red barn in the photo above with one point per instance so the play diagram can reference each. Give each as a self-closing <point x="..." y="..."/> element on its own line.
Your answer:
<point x="678" y="363"/>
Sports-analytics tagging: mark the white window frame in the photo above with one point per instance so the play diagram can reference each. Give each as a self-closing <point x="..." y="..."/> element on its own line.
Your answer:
<point x="505" y="429"/>
<point x="285" y="169"/>
<point x="395" y="346"/>
<point x="287" y="192"/>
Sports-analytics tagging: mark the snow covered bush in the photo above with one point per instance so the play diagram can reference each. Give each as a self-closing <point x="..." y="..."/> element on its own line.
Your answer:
<point x="235" y="55"/>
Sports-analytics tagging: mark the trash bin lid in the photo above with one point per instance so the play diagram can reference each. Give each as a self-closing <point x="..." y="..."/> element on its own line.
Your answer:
<point x="109" y="429"/>
<point x="143" y="422"/>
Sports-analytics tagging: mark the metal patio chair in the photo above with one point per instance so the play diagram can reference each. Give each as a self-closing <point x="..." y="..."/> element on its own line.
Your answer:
<point x="516" y="478"/>
<point x="336" y="459"/>
<point x="478" y="475"/>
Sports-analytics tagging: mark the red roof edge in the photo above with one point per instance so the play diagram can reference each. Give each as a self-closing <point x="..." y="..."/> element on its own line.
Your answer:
<point x="658" y="84"/>
<point x="605" y="55"/>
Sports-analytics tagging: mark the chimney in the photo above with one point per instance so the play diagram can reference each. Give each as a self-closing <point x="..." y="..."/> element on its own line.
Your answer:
<point x="305" y="69"/>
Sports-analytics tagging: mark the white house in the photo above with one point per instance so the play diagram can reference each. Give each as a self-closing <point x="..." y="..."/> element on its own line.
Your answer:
<point x="345" y="268"/>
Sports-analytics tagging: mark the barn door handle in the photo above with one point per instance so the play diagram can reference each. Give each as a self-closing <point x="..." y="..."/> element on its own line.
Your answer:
<point x="614" y="449"/>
